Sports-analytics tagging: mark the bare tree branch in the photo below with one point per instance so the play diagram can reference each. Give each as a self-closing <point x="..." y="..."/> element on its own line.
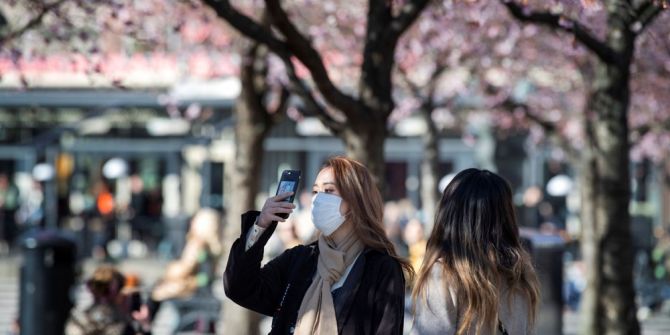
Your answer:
<point x="646" y="13"/>
<point x="427" y="95"/>
<point x="257" y="32"/>
<point x="581" y="33"/>
<point x="254" y="77"/>
<point x="445" y="103"/>
<point x="511" y="105"/>
<point x="248" y="27"/>
<point x="299" y="88"/>
<point x="408" y="14"/>
<point x="413" y="87"/>
<point x="655" y="126"/>
<point x="34" y="22"/>
<point x="549" y="128"/>
<point x="302" y="48"/>
<point x="383" y="30"/>
<point x="278" y="113"/>
<point x="254" y="84"/>
<point x="434" y="80"/>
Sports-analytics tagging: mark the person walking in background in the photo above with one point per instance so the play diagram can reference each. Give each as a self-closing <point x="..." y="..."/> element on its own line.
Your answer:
<point x="195" y="268"/>
<point x="416" y="242"/>
<point x="476" y="278"/>
<point x="113" y="311"/>
<point x="288" y="235"/>
<point x="350" y="281"/>
<point x="302" y="218"/>
<point x="9" y="202"/>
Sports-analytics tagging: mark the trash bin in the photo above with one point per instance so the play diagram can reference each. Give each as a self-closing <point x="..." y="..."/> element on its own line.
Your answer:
<point x="547" y="255"/>
<point x="47" y="275"/>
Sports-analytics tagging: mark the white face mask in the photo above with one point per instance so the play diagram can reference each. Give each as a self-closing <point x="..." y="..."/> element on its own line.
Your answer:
<point x="326" y="212"/>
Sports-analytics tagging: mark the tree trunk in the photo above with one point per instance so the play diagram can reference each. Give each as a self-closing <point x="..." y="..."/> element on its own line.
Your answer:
<point x="243" y="176"/>
<point x="590" y="249"/>
<point x="252" y="126"/>
<point x="429" y="169"/>
<point x="609" y="300"/>
<point x="364" y="142"/>
<point x="665" y="193"/>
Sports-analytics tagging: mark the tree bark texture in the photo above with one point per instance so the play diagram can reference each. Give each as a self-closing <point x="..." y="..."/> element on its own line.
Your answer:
<point x="364" y="142"/>
<point x="253" y="124"/>
<point x="244" y="177"/>
<point x="608" y="304"/>
<point x="609" y="301"/>
<point x="430" y="169"/>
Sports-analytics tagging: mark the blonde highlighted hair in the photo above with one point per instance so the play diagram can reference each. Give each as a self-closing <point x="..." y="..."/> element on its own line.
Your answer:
<point x="475" y="242"/>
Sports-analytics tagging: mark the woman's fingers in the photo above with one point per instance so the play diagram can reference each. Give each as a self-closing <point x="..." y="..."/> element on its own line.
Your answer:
<point x="276" y="210"/>
<point x="281" y="210"/>
<point x="283" y="204"/>
<point x="276" y="218"/>
<point x="272" y="215"/>
<point x="281" y="196"/>
<point x="275" y="205"/>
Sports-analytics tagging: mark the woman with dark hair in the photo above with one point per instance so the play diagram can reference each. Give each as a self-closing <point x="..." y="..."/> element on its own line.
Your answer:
<point x="350" y="281"/>
<point x="476" y="278"/>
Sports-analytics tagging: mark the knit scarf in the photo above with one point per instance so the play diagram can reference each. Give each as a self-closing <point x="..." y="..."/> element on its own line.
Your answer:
<point x="317" y="312"/>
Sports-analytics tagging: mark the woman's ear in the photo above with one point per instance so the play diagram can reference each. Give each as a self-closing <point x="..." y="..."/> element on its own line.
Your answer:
<point x="345" y="210"/>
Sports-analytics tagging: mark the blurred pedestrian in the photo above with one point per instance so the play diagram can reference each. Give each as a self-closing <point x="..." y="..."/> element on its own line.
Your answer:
<point x="196" y="267"/>
<point x="350" y="281"/>
<point x="476" y="277"/>
<point x="416" y="242"/>
<point x="30" y="213"/>
<point x="103" y="224"/>
<point x="393" y="227"/>
<point x="9" y="202"/>
<point x="302" y="217"/>
<point x="112" y="312"/>
<point x="288" y="235"/>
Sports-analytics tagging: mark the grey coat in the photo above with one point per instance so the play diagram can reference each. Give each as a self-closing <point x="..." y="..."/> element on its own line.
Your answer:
<point x="439" y="314"/>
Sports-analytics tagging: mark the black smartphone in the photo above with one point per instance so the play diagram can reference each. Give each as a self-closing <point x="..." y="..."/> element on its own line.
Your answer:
<point x="289" y="181"/>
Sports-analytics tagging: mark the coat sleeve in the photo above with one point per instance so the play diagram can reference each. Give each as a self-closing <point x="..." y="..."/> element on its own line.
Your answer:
<point x="437" y="313"/>
<point x="245" y="281"/>
<point x="389" y="306"/>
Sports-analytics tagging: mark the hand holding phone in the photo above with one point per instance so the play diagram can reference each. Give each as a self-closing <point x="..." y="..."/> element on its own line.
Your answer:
<point x="277" y="208"/>
<point x="288" y="183"/>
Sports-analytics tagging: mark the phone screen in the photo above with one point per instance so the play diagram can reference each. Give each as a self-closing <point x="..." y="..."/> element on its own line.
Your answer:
<point x="286" y="186"/>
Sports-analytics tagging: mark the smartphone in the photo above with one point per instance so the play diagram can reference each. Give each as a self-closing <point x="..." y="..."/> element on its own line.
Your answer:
<point x="289" y="181"/>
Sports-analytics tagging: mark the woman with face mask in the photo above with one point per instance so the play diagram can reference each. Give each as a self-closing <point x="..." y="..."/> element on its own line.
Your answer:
<point x="350" y="281"/>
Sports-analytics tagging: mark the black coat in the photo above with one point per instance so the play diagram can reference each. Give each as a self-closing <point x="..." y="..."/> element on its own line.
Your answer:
<point x="373" y="304"/>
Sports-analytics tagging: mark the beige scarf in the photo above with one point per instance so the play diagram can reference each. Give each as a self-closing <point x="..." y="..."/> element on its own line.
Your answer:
<point x="317" y="312"/>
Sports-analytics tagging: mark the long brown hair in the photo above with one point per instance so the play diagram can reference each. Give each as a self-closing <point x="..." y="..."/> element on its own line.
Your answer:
<point x="360" y="192"/>
<point x="475" y="240"/>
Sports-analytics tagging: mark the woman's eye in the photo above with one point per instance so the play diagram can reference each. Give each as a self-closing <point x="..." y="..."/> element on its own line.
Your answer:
<point x="314" y="192"/>
<point x="330" y="191"/>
